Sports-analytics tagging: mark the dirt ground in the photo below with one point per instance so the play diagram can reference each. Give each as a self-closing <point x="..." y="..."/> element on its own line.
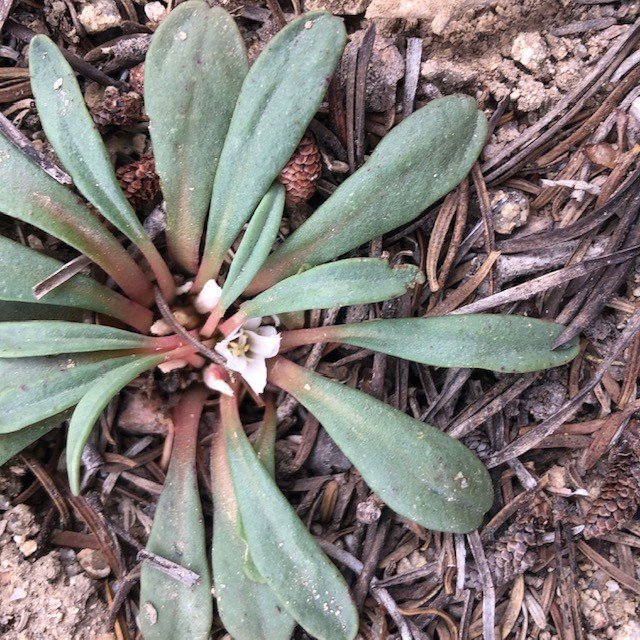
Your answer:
<point x="524" y="61"/>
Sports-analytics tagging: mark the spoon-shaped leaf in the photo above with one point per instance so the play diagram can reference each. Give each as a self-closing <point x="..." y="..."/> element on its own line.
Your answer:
<point x="13" y="443"/>
<point x="92" y="404"/>
<point x="29" y="194"/>
<point x="279" y="96"/>
<point x="249" y="609"/>
<point x="193" y="73"/>
<point x="255" y="246"/>
<point x="70" y="129"/>
<point x="495" y="342"/>
<point x="419" y="471"/>
<point x="13" y="311"/>
<point x="415" y="164"/>
<point x="168" y="608"/>
<point x="307" y="584"/>
<point x="36" y="388"/>
<point x="22" y="268"/>
<point x="53" y="337"/>
<point x="341" y="283"/>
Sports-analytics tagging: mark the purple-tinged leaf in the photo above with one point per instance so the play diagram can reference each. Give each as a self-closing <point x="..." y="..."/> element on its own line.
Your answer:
<point x="193" y="73"/>
<point x="53" y="337"/>
<point x="279" y="97"/>
<point x="22" y="268"/>
<point x="249" y="609"/>
<point x="29" y="194"/>
<point x="170" y="609"/>
<point x="285" y="554"/>
<point x="70" y="129"/>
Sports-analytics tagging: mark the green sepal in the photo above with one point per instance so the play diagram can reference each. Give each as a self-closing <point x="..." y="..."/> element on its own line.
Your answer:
<point x="279" y="97"/>
<point x="305" y="582"/>
<point x="415" y="164"/>
<point x="21" y="268"/>
<point x="53" y="337"/>
<point x="419" y="471"/>
<point x="193" y="73"/>
<point x="92" y="404"/>
<point x="337" y="284"/>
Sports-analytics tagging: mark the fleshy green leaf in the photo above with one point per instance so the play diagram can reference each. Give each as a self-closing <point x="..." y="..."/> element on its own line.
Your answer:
<point x="193" y="73"/>
<point x="249" y="609"/>
<point x="29" y="194"/>
<point x="415" y="164"/>
<point x="22" y="268"/>
<point x="13" y="443"/>
<point x="265" y="443"/>
<point x="512" y="344"/>
<point x="307" y="584"/>
<point x="279" y="96"/>
<point x="419" y="471"/>
<point x="255" y="246"/>
<point x="53" y="337"/>
<point x="70" y="129"/>
<point x="36" y="388"/>
<point x="341" y="283"/>
<point x="171" y="610"/>
<point x="92" y="404"/>
<point x="15" y="311"/>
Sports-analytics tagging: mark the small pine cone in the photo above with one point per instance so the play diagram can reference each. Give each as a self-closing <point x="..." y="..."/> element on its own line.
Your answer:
<point x="136" y="78"/>
<point x="302" y="171"/>
<point x="620" y="493"/>
<point x="478" y="441"/>
<point x="139" y="181"/>
<point x="117" y="108"/>
<point x="513" y="552"/>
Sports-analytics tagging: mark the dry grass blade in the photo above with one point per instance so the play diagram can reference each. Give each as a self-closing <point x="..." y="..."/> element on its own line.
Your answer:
<point x="548" y="281"/>
<point x="457" y="297"/>
<point x="488" y="591"/>
<point x="60" y="276"/>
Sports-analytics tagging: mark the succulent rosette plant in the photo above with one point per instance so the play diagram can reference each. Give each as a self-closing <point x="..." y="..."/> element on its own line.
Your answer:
<point x="221" y="133"/>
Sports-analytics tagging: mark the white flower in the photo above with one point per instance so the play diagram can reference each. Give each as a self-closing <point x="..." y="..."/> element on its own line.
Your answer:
<point x="215" y="378"/>
<point x="246" y="350"/>
<point x="208" y="297"/>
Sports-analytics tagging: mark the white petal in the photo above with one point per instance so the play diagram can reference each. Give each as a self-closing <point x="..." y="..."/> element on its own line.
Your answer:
<point x="208" y="297"/>
<point x="213" y="379"/>
<point x="252" y="324"/>
<point x="184" y="288"/>
<point x="160" y="328"/>
<point x="255" y="374"/>
<point x="264" y="346"/>
<point x="170" y="365"/>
